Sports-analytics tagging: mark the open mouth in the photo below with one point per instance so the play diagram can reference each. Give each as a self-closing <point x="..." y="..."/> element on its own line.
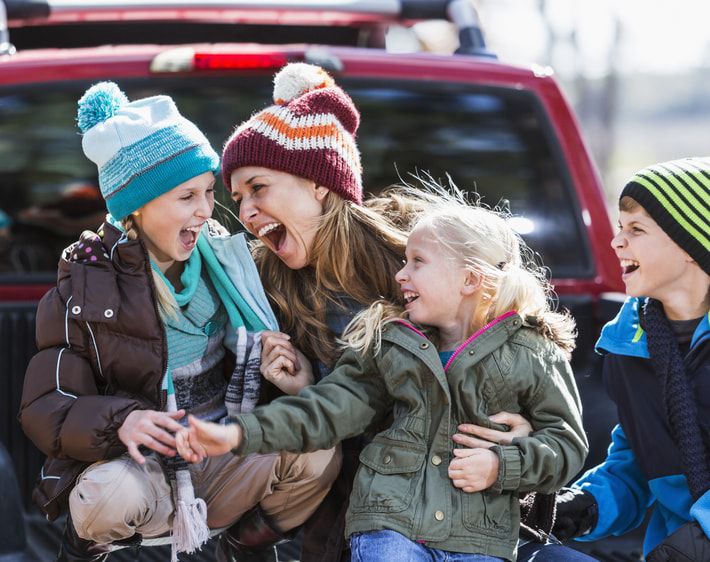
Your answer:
<point x="629" y="266"/>
<point x="275" y="233"/>
<point x="410" y="297"/>
<point x="189" y="236"/>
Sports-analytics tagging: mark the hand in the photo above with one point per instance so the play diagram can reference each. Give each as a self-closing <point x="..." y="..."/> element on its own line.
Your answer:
<point x="487" y="438"/>
<point x="152" y="429"/>
<point x="474" y="470"/>
<point x="283" y="364"/>
<point x="206" y="439"/>
<point x="687" y="544"/>
<point x="577" y="513"/>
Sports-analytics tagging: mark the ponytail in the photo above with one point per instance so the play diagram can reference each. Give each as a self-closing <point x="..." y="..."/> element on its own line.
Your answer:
<point x="526" y="290"/>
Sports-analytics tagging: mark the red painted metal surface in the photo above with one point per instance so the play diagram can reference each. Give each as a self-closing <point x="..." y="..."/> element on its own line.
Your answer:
<point x="49" y="65"/>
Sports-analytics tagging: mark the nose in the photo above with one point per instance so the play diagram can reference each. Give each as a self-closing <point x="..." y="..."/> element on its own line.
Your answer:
<point x="247" y="209"/>
<point x="206" y="206"/>
<point x="619" y="241"/>
<point x="401" y="276"/>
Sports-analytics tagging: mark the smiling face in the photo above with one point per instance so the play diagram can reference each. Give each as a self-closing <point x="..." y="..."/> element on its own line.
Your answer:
<point x="280" y="209"/>
<point x="652" y="264"/>
<point x="435" y="286"/>
<point x="170" y="224"/>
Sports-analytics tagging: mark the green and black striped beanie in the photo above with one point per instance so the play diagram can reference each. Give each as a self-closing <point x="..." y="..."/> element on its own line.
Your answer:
<point x="677" y="196"/>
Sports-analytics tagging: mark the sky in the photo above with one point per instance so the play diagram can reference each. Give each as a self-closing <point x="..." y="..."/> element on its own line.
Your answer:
<point x="655" y="36"/>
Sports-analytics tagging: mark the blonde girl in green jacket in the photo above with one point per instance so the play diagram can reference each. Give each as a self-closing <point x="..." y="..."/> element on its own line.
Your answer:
<point x="473" y="335"/>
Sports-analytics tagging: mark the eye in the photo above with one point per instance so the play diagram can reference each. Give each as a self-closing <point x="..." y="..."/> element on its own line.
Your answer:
<point x="187" y="196"/>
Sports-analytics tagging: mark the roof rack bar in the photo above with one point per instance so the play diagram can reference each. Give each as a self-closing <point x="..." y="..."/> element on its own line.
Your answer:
<point x="471" y="42"/>
<point x="6" y="48"/>
<point x="22" y="9"/>
<point x="423" y="9"/>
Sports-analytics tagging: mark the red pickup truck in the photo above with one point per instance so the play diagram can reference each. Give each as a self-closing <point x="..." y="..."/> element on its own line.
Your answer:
<point x="506" y="132"/>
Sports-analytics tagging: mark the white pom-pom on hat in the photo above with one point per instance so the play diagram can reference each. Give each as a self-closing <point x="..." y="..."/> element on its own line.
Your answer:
<point x="298" y="78"/>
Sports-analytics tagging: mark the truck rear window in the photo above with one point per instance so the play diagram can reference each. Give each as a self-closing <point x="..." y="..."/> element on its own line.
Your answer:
<point x="495" y="141"/>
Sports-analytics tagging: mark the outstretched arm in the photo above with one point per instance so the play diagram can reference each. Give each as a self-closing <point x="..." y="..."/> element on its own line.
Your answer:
<point x="342" y="405"/>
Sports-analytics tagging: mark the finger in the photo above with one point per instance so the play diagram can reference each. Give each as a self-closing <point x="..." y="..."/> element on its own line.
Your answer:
<point x="199" y="451"/>
<point x="184" y="449"/>
<point x="198" y="428"/>
<point x="458" y="482"/>
<point x="279" y="368"/>
<point x="483" y="432"/>
<point x="135" y="453"/>
<point x="509" y="419"/>
<point x="271" y="339"/>
<point x="287" y="365"/>
<point x="274" y="370"/>
<point x="472" y="442"/>
<point x="158" y="447"/>
<point x="162" y="436"/>
<point x="164" y="422"/>
<point x="281" y="351"/>
<point x="460" y="465"/>
<point x="463" y="453"/>
<point x="176" y="415"/>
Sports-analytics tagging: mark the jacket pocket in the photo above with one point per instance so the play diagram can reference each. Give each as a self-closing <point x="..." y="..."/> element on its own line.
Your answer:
<point x="387" y="477"/>
<point x="488" y="512"/>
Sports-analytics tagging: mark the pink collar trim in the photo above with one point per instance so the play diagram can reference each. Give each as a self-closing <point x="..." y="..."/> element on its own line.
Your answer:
<point x="477" y="333"/>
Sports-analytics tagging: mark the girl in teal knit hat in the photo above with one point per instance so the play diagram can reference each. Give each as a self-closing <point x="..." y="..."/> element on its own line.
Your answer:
<point x="156" y="314"/>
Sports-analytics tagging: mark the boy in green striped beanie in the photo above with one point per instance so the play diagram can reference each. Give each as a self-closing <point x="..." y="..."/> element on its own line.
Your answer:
<point x="657" y="371"/>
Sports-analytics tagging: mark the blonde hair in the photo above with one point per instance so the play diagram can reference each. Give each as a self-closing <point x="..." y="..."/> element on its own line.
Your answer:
<point x="167" y="305"/>
<point x="356" y="252"/>
<point x="483" y="241"/>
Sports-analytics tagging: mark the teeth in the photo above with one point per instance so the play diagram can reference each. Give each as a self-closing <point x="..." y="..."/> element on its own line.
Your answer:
<point x="195" y="229"/>
<point x="629" y="263"/>
<point x="409" y="295"/>
<point x="268" y="228"/>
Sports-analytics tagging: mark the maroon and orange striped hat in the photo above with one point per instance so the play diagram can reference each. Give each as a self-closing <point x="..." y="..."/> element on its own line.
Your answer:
<point x="309" y="132"/>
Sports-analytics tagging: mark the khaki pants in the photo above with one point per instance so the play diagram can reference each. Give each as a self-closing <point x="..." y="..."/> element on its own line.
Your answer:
<point x="115" y="499"/>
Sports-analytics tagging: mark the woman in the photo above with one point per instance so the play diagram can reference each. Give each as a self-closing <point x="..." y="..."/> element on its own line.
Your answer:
<point x="157" y="314"/>
<point x="294" y="171"/>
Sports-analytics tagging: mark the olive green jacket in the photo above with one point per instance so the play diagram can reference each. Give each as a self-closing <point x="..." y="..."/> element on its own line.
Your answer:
<point x="402" y="483"/>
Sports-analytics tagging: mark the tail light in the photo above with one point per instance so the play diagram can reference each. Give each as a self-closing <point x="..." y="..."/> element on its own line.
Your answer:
<point x="238" y="61"/>
<point x="187" y="59"/>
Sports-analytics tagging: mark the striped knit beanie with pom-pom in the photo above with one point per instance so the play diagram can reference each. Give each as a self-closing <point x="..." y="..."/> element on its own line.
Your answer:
<point x="309" y="132"/>
<point x="142" y="148"/>
<point x="677" y="196"/>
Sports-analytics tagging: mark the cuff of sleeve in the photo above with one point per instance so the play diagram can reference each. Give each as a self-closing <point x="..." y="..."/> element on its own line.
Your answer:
<point x="700" y="511"/>
<point x="252" y="437"/>
<point x="509" y="468"/>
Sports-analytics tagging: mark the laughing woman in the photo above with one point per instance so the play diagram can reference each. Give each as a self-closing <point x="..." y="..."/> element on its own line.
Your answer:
<point x="157" y="314"/>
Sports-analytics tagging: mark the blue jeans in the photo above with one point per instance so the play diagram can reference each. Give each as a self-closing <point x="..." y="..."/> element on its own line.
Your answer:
<point x="536" y="552"/>
<point x="390" y="546"/>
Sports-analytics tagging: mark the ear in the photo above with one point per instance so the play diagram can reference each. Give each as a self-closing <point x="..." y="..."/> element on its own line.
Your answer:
<point x="321" y="192"/>
<point x="471" y="283"/>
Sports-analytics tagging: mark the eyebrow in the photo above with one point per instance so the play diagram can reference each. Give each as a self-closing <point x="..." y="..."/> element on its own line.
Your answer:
<point x="251" y="179"/>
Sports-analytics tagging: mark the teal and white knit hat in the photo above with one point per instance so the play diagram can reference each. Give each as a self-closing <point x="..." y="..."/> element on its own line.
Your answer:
<point x="677" y="196"/>
<point x="142" y="148"/>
